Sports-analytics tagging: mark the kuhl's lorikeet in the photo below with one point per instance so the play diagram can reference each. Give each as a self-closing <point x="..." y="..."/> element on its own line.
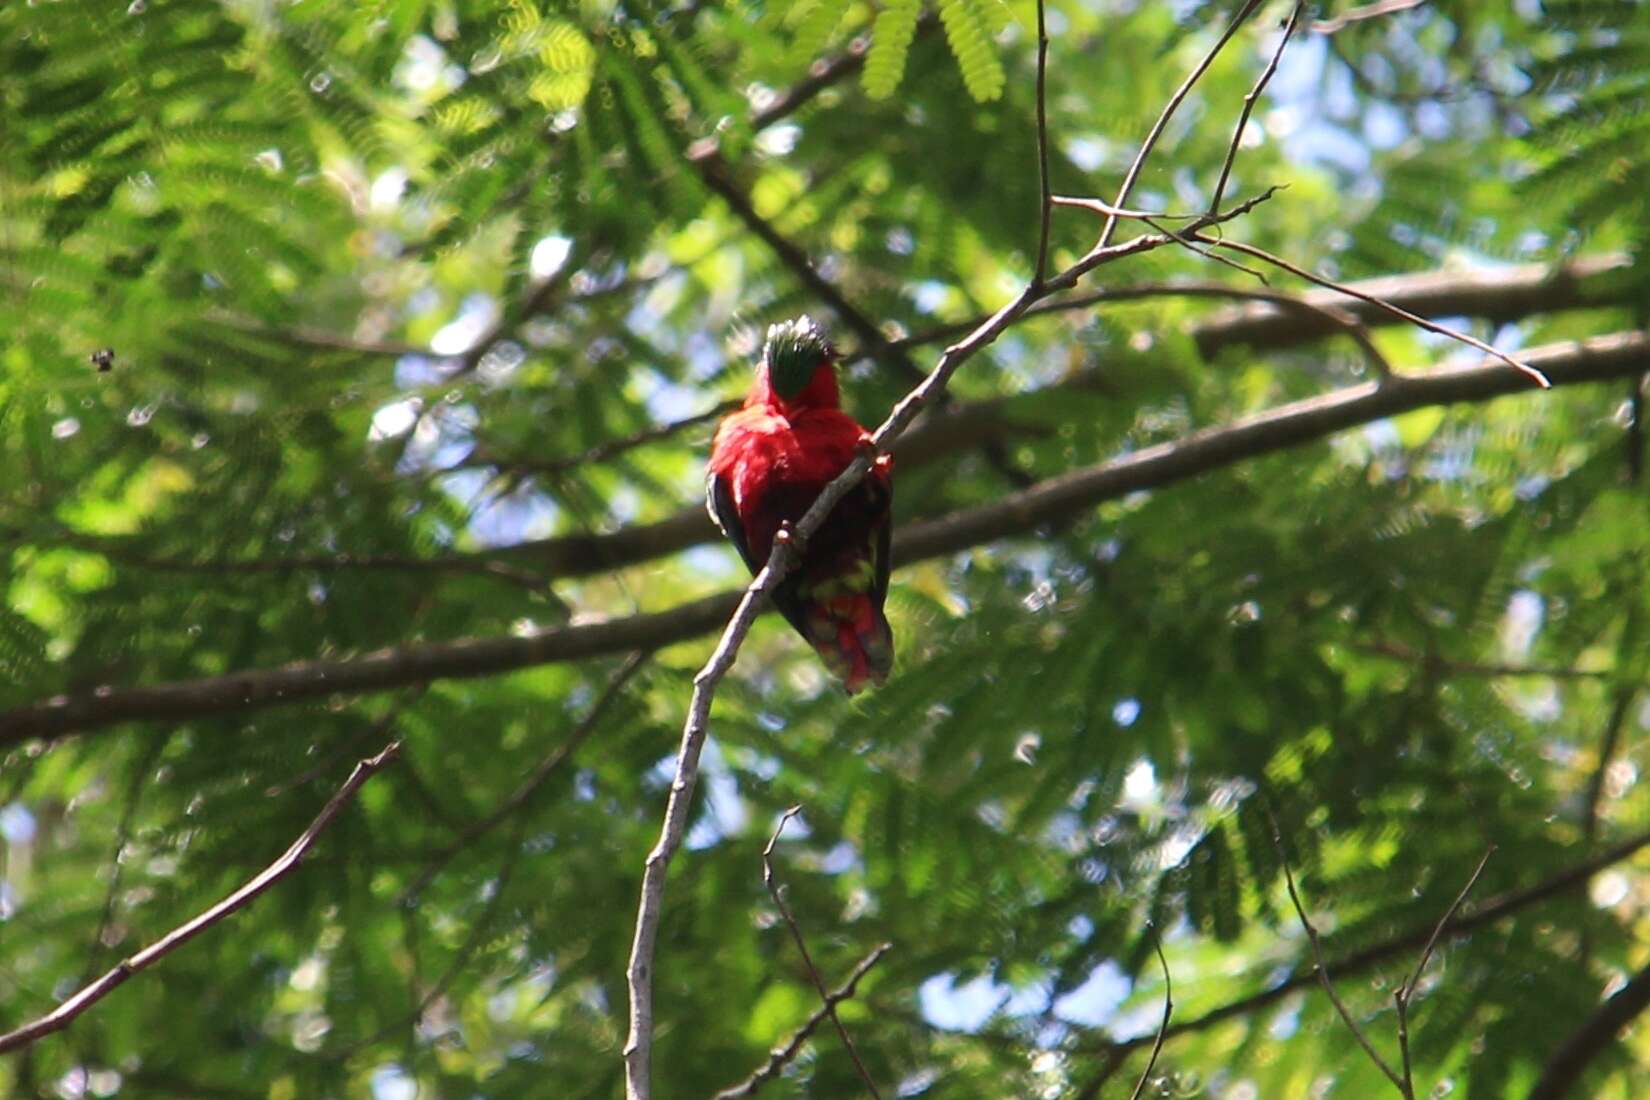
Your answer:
<point x="770" y="461"/>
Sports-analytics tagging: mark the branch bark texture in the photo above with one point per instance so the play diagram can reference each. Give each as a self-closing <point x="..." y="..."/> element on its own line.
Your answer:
<point x="1571" y="363"/>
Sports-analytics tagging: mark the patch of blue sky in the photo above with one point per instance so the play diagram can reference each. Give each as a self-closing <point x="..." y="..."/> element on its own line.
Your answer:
<point x="17" y="824"/>
<point x="477" y="314"/>
<point x="970" y="1006"/>
<point x="514" y="518"/>
<point x="1096" y="1001"/>
<point x="726" y="813"/>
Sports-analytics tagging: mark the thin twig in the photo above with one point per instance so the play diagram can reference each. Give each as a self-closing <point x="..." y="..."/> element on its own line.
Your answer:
<point x="1613" y="727"/>
<point x="1323" y="972"/>
<point x="1101" y="206"/>
<point x="782" y="1056"/>
<point x="1249" y="102"/>
<point x="1191" y="246"/>
<point x="535" y="780"/>
<point x="1045" y="210"/>
<point x="1415" y="319"/>
<point x="778" y="894"/>
<point x="1368" y="11"/>
<point x="1169" y="109"/>
<point x="138" y="780"/>
<point x="66" y="1013"/>
<point x="1162" y="1028"/>
<point x="601" y="452"/>
<point x="1504" y="295"/>
<point x="1406" y="990"/>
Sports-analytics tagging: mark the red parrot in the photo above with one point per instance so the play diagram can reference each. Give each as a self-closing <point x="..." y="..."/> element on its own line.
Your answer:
<point x="770" y="461"/>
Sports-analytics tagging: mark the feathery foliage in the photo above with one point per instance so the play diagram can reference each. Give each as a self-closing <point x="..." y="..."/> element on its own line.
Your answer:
<point x="416" y="314"/>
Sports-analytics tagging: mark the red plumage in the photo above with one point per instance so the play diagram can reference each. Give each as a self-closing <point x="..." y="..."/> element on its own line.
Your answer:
<point x="770" y="461"/>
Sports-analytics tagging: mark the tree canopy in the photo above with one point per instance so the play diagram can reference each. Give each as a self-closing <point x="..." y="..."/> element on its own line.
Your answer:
<point x="358" y="364"/>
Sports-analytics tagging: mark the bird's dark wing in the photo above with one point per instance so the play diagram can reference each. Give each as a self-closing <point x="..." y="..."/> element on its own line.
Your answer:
<point x="882" y="491"/>
<point x="719" y="503"/>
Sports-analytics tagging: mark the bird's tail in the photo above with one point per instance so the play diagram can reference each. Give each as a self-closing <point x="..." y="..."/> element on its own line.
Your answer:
<point x="848" y="629"/>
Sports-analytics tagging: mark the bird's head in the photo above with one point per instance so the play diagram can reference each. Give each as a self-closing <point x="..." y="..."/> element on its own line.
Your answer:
<point x="799" y="357"/>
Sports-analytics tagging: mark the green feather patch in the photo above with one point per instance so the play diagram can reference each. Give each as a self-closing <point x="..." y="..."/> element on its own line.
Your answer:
<point x="793" y="352"/>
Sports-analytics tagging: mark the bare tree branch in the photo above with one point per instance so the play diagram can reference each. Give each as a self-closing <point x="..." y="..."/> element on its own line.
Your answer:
<point x="1415" y="319"/>
<point x="782" y="1056"/>
<point x="1162" y="1028"/>
<point x="1602" y="358"/>
<point x="1596" y="1034"/>
<point x="1169" y="109"/>
<point x="1045" y="206"/>
<point x="1406" y="991"/>
<point x="1249" y="102"/>
<point x="777" y="892"/>
<point x="1322" y="972"/>
<point x="1368" y="11"/>
<point x="638" y="1047"/>
<point x="1499" y="295"/>
<point x="1465" y="921"/>
<point x="66" y="1013"/>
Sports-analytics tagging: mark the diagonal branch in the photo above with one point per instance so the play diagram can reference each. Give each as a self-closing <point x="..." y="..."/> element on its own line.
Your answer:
<point x="825" y="72"/>
<point x="1291" y="425"/>
<point x="782" y="1056"/>
<point x="705" y="155"/>
<point x="777" y="892"/>
<point x="1596" y="1034"/>
<point x="1169" y="109"/>
<point x="536" y="779"/>
<point x="1398" y="311"/>
<point x="1322" y="972"/>
<point x="1464" y="922"/>
<point x="66" y="1013"/>
<point x="1162" y="1028"/>
<point x="1249" y="102"/>
<point x="1406" y="992"/>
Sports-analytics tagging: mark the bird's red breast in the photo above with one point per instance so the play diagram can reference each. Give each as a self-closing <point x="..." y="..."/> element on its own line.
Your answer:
<point x="769" y="462"/>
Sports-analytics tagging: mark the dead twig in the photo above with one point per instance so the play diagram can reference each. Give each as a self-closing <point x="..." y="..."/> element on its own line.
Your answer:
<point x="1323" y="972"/>
<point x="782" y="1056"/>
<point x="1358" y="15"/>
<point x="1169" y="109"/>
<point x="778" y="894"/>
<point x="1249" y="102"/>
<point x="1418" y="321"/>
<point x="66" y="1013"/>
<point x="1162" y="1028"/>
<point x="1406" y="991"/>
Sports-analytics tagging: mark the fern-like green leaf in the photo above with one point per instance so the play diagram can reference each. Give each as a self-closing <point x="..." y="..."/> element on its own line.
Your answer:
<point x="891" y="38"/>
<point x="968" y="35"/>
<point x="814" y="24"/>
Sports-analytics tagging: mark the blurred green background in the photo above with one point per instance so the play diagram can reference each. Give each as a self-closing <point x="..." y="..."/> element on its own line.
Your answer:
<point x="420" y="316"/>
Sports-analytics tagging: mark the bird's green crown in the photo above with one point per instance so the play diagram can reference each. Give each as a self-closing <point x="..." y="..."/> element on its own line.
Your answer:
<point x="794" y="350"/>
